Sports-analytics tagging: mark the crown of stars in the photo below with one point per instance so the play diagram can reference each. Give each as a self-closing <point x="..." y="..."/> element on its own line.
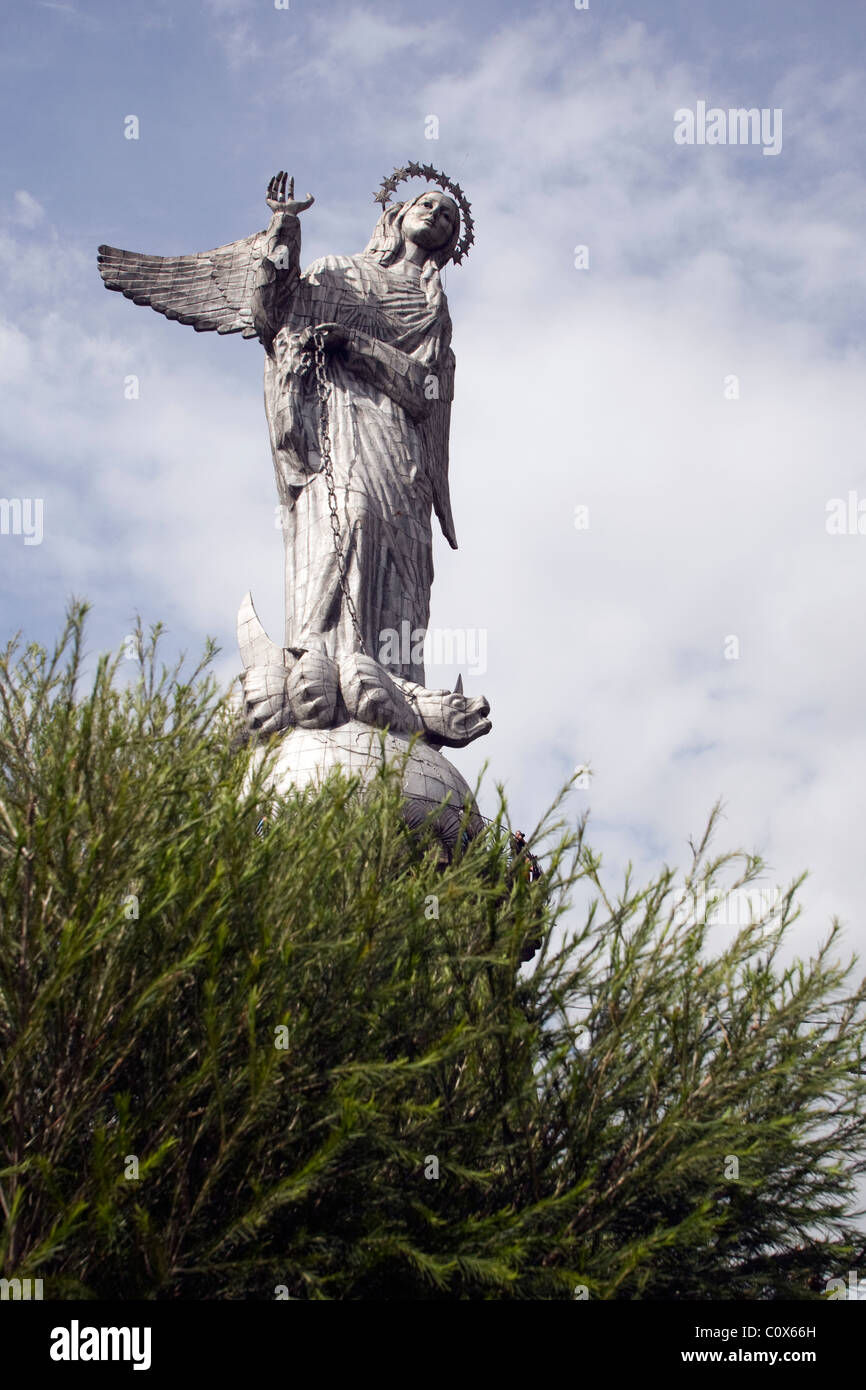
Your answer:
<point x="426" y="171"/>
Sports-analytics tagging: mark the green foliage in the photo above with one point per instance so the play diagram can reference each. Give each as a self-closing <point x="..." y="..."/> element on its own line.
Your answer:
<point x="279" y="1034"/>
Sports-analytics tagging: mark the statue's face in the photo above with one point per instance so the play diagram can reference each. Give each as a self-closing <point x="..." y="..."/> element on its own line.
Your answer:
<point x="431" y="221"/>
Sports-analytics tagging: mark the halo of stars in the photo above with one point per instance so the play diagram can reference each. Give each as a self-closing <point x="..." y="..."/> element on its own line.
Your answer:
<point x="426" y="171"/>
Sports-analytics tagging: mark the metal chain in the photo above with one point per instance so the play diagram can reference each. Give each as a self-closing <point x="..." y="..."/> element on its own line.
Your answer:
<point x="322" y="391"/>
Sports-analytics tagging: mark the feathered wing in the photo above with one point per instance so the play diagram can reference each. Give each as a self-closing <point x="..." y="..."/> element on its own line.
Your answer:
<point x="435" y="429"/>
<point x="210" y="290"/>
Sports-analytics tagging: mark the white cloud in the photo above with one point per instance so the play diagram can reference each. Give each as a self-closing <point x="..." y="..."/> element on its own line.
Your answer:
<point x="368" y="40"/>
<point x="72" y="13"/>
<point x="233" y="26"/>
<point x="337" y="42"/>
<point x="27" y="211"/>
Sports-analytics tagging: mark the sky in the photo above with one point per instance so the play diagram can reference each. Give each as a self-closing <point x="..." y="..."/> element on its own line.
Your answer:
<point x="657" y="434"/>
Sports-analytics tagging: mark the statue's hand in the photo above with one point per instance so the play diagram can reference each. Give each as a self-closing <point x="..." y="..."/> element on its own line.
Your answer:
<point x="332" y="335"/>
<point x="277" y="200"/>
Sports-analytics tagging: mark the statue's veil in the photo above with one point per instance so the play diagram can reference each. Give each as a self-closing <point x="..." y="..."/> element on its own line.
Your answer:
<point x="385" y="245"/>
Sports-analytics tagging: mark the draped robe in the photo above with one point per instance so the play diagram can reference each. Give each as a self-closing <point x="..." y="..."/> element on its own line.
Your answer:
<point x="388" y="415"/>
<point x="388" y="424"/>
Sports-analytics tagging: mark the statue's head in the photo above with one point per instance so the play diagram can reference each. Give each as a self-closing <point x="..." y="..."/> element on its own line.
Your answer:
<point x="431" y="220"/>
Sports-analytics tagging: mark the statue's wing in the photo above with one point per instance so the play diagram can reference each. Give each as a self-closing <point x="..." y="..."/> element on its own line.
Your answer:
<point x="435" y="429"/>
<point x="210" y="290"/>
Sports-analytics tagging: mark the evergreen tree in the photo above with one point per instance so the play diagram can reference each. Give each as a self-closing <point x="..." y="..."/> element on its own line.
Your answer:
<point x="308" y="1063"/>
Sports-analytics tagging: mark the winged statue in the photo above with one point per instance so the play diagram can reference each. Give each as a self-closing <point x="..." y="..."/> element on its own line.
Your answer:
<point x="358" y="384"/>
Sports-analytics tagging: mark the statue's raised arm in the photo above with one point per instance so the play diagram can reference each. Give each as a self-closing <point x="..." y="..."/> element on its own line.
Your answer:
<point x="238" y="288"/>
<point x="280" y="265"/>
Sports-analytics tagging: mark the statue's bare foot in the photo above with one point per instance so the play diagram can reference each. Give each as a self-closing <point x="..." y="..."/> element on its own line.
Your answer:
<point x="312" y="691"/>
<point x="450" y="717"/>
<point x="267" y="706"/>
<point x="371" y="695"/>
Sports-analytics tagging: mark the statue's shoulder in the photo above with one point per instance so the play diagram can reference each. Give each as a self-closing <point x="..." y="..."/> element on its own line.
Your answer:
<point x="332" y="267"/>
